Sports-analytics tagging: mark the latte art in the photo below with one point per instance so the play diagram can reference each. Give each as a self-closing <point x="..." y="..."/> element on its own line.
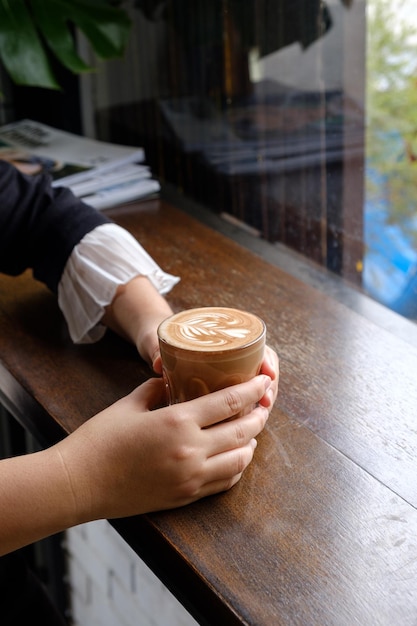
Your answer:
<point x="211" y="328"/>
<point x="214" y="328"/>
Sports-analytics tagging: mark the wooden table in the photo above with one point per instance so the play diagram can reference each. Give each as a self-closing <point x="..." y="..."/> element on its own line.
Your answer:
<point x="322" y="528"/>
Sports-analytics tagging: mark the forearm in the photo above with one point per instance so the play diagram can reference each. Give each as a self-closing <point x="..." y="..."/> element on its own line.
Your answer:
<point x="36" y="499"/>
<point x="135" y="312"/>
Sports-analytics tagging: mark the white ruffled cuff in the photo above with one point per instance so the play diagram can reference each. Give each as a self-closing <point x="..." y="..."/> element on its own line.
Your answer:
<point x="105" y="258"/>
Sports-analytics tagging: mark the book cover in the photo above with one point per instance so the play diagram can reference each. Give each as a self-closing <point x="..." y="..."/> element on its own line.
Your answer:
<point x="69" y="158"/>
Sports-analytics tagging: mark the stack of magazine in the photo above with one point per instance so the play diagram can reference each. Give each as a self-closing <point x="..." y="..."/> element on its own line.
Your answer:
<point x="102" y="174"/>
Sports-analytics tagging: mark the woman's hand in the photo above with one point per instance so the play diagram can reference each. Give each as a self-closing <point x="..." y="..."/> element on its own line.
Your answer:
<point x="130" y="459"/>
<point x="136" y="312"/>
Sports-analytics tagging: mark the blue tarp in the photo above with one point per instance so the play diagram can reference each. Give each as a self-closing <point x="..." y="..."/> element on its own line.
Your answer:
<point x="390" y="261"/>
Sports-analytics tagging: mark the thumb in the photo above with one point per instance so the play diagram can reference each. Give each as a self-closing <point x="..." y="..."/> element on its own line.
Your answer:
<point x="157" y="363"/>
<point x="150" y="395"/>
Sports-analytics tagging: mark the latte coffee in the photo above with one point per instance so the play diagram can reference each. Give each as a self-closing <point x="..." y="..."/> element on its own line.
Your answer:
<point x="209" y="348"/>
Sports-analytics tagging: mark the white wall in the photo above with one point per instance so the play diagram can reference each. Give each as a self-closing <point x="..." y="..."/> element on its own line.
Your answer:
<point x="111" y="586"/>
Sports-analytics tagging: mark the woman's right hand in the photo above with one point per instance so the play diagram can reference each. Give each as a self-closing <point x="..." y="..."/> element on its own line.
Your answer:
<point x="131" y="459"/>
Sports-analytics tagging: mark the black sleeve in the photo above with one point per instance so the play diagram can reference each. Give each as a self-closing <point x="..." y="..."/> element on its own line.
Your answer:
<point x="40" y="225"/>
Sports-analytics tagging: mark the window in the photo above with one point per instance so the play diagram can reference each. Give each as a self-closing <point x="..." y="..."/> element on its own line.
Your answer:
<point x="268" y="113"/>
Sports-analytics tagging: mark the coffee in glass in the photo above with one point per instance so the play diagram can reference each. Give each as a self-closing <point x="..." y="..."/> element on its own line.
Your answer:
<point x="209" y="348"/>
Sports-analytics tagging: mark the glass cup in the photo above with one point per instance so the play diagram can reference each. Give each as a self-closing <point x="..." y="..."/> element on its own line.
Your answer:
<point x="209" y="348"/>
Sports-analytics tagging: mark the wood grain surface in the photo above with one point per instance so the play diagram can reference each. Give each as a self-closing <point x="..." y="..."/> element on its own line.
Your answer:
<point x="322" y="528"/>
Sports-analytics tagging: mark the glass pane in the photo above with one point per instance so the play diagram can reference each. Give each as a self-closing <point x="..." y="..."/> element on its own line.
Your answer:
<point x="258" y="110"/>
<point x="390" y="263"/>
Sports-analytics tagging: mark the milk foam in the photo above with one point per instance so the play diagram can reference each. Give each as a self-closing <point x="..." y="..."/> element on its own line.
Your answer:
<point x="211" y="328"/>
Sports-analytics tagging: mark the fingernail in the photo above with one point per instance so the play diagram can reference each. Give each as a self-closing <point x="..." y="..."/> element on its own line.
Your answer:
<point x="267" y="382"/>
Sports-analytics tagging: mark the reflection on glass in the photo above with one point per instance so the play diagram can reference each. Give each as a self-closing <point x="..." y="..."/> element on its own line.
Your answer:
<point x="256" y="109"/>
<point x="259" y="115"/>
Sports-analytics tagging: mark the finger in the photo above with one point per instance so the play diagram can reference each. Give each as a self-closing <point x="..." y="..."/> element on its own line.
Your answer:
<point x="225" y="470"/>
<point x="270" y="367"/>
<point x="270" y="364"/>
<point x="235" y="434"/>
<point x="221" y="405"/>
<point x="157" y="363"/>
<point x="150" y="394"/>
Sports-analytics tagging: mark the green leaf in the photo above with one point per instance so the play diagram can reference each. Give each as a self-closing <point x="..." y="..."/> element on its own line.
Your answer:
<point x="21" y="49"/>
<point x="54" y="28"/>
<point x="106" y="28"/>
<point x="31" y="30"/>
